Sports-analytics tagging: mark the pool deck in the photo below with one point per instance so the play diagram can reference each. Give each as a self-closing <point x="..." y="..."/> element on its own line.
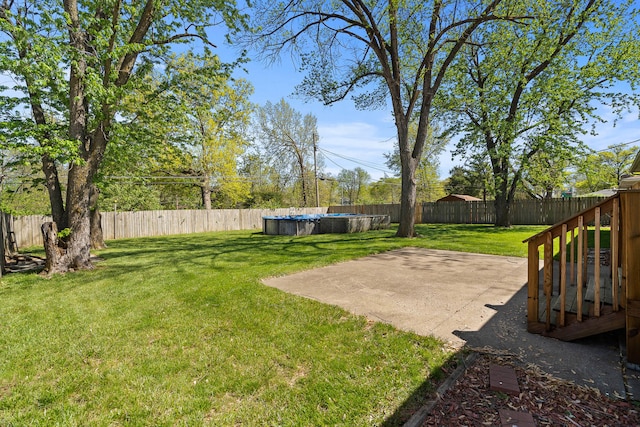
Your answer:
<point x="472" y="300"/>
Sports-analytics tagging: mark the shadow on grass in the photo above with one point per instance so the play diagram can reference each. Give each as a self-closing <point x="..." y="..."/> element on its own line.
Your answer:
<point x="423" y="394"/>
<point x="240" y="250"/>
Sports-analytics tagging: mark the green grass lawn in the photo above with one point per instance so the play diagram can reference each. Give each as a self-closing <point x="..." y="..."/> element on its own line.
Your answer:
<point x="180" y="331"/>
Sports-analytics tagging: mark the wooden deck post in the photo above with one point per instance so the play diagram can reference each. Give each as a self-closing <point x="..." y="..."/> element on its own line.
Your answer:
<point x="630" y="228"/>
<point x="572" y="257"/>
<point x="563" y="274"/>
<point x="548" y="276"/>
<point x="532" y="287"/>
<point x="580" y="279"/>
<point x="615" y="250"/>
<point x="596" y="264"/>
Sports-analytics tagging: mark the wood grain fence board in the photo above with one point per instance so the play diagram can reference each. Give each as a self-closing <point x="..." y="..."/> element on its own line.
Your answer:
<point x="119" y="225"/>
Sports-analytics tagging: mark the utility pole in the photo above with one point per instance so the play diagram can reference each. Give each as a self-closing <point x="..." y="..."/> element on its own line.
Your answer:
<point x="315" y="169"/>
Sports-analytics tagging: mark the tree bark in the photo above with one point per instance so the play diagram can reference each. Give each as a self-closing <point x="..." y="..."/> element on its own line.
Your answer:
<point x="205" y="190"/>
<point x="406" y="228"/>
<point x="54" y="190"/>
<point x="95" y="220"/>
<point x="78" y="249"/>
<point x="52" y="250"/>
<point x="503" y="211"/>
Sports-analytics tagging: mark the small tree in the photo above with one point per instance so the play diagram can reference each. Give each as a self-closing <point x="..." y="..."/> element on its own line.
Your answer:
<point x="288" y="139"/>
<point x="352" y="183"/>
<point x="603" y="169"/>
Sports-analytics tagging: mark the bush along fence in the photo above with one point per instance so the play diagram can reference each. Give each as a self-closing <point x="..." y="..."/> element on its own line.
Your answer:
<point x="120" y="225"/>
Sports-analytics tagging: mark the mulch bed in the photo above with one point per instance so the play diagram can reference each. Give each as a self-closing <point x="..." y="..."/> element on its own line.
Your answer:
<point x="550" y="401"/>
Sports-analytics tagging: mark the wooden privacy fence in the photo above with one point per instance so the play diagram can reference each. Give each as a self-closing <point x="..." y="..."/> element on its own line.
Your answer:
<point x="119" y="225"/>
<point x="122" y="225"/>
<point x="393" y="210"/>
<point x="523" y="212"/>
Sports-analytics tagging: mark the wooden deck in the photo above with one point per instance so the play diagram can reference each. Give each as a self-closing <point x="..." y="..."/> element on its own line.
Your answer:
<point x="589" y="292"/>
<point x="580" y="291"/>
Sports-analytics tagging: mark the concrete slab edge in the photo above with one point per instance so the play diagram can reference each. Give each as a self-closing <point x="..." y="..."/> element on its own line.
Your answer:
<point x="421" y="415"/>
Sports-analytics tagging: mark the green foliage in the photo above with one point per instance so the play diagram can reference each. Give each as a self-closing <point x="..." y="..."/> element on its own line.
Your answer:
<point x="352" y="184"/>
<point x="474" y="179"/>
<point x="386" y="190"/>
<point x="130" y="196"/>
<point x="287" y="139"/>
<point x="546" y="173"/>
<point x="24" y="198"/>
<point x="378" y="53"/>
<point x="64" y="233"/>
<point x="429" y="188"/>
<point x="603" y="169"/>
<point x="460" y="182"/>
<point x="73" y="63"/>
<point x="532" y="86"/>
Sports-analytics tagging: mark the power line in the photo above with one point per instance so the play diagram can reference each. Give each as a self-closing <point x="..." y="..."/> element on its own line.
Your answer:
<point x="356" y="161"/>
<point x="622" y="144"/>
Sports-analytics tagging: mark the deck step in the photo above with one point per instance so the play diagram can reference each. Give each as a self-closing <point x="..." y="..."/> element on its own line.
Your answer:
<point x="606" y="296"/>
<point x="571" y="302"/>
<point x="608" y="321"/>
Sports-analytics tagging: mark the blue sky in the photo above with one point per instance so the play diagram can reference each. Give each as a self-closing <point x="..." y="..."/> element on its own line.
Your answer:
<point x="356" y="138"/>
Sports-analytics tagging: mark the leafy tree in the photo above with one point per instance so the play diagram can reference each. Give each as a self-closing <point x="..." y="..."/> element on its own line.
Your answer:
<point x="393" y="51"/>
<point x="385" y="190"/>
<point x="288" y="139"/>
<point x="352" y="184"/>
<point x="265" y="191"/>
<point x="216" y="114"/>
<point x="428" y="185"/>
<point x="544" y="174"/>
<point x="525" y="89"/>
<point x="460" y="182"/>
<point x="330" y="192"/>
<point x="604" y="169"/>
<point x="72" y="62"/>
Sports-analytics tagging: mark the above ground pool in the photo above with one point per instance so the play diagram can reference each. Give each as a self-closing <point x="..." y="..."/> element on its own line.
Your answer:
<point x="300" y="225"/>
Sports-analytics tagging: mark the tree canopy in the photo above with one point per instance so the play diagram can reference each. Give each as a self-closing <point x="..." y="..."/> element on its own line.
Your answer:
<point x="525" y="90"/>
<point x="378" y="53"/>
<point x="72" y="63"/>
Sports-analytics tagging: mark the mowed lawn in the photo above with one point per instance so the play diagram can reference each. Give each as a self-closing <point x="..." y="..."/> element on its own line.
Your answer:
<point x="180" y="331"/>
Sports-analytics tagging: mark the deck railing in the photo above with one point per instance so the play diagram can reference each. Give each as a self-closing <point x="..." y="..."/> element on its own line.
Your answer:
<point x="547" y="306"/>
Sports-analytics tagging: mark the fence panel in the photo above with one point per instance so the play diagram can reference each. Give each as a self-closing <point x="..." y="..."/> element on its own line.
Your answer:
<point x="119" y="225"/>
<point x="523" y="212"/>
<point x="123" y="225"/>
<point x="393" y="210"/>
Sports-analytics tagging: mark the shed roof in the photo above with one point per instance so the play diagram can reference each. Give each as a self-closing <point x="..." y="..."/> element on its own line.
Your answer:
<point x="635" y="167"/>
<point x="458" y="198"/>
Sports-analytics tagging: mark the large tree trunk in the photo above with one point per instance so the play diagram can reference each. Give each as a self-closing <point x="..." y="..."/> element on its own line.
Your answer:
<point x="205" y="190"/>
<point x="79" y="244"/>
<point x="406" y="227"/>
<point x="503" y="211"/>
<point x="95" y="220"/>
<point x="54" y="190"/>
<point x="52" y="250"/>
<point x="97" y="237"/>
